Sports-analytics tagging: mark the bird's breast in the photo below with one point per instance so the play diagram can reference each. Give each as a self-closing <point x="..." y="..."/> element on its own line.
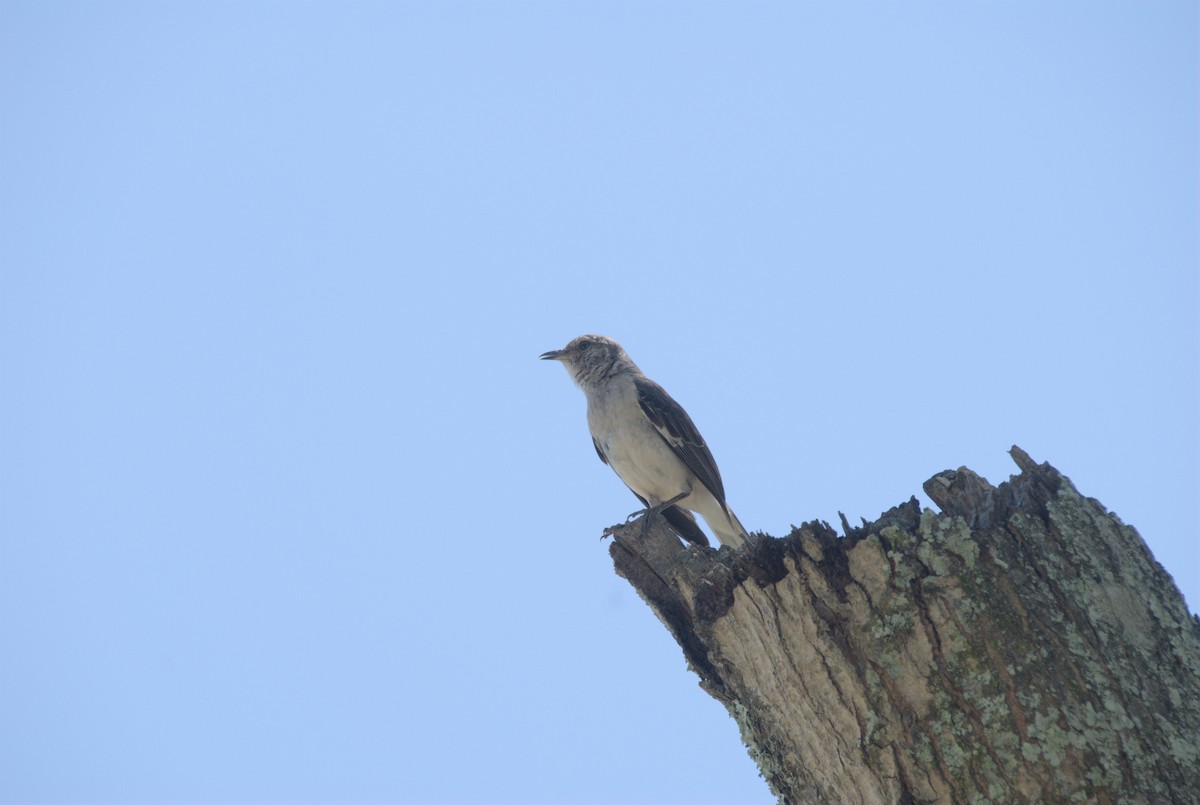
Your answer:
<point x="635" y="450"/>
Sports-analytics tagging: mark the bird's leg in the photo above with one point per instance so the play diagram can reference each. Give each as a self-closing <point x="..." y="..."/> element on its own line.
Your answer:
<point x="649" y="512"/>
<point x="653" y="510"/>
<point x="659" y="508"/>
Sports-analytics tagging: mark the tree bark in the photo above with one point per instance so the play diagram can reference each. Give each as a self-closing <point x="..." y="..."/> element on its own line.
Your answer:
<point x="1021" y="646"/>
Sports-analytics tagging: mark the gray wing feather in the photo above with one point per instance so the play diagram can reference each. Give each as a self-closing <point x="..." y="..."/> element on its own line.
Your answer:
<point x="677" y="430"/>
<point x="599" y="452"/>
<point x="684" y="524"/>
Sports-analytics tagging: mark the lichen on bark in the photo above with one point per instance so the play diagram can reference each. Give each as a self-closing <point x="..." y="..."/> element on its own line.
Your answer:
<point x="1020" y="645"/>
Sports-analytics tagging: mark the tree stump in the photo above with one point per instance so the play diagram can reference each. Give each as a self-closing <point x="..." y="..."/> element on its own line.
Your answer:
<point x="1021" y="646"/>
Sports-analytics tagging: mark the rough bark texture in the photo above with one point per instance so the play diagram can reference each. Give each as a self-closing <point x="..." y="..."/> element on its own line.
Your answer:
<point x="1021" y="646"/>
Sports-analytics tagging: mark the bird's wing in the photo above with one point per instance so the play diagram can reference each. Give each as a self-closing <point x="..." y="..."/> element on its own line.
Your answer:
<point x="677" y="430"/>
<point x="599" y="452"/>
<point x="684" y="524"/>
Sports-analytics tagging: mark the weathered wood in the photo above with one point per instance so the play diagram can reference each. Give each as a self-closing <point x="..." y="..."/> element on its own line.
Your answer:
<point x="1020" y="646"/>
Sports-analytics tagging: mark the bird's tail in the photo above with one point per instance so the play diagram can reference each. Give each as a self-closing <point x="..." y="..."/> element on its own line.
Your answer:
<point x="728" y="528"/>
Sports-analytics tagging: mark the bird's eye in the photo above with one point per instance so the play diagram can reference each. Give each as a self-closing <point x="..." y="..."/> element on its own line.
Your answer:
<point x="584" y="344"/>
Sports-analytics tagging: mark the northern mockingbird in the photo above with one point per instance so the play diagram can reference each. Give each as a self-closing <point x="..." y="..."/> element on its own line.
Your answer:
<point x="649" y="440"/>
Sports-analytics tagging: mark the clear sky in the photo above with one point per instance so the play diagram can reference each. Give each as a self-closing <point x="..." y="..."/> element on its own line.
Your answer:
<point x="290" y="512"/>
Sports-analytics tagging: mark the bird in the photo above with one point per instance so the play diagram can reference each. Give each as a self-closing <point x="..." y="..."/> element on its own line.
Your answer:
<point x="649" y="440"/>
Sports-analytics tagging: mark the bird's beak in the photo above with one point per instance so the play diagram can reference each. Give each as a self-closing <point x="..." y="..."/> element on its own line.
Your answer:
<point x="552" y="355"/>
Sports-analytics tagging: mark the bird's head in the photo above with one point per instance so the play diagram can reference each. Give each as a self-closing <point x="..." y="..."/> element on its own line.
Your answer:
<point x="591" y="358"/>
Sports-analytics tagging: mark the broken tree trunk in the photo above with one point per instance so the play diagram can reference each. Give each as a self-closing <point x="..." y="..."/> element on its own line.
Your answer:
<point x="1021" y="646"/>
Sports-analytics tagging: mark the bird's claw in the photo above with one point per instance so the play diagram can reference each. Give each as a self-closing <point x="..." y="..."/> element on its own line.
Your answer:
<point x="612" y="530"/>
<point x="649" y="513"/>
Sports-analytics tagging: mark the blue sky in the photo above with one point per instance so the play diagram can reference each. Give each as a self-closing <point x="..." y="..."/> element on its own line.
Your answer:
<point x="291" y="512"/>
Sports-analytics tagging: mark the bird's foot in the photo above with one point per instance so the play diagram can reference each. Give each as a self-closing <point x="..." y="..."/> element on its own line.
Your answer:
<point x="612" y="530"/>
<point x="647" y="514"/>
